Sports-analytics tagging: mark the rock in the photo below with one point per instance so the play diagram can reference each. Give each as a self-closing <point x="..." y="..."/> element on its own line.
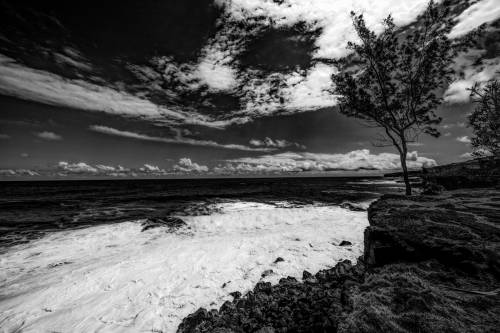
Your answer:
<point x="352" y="207"/>
<point x="279" y="259"/>
<point x="432" y="189"/>
<point x="426" y="259"/>
<point x="193" y="320"/>
<point x="235" y="294"/>
<point x="266" y="273"/>
<point x="345" y="243"/>
<point x="169" y="222"/>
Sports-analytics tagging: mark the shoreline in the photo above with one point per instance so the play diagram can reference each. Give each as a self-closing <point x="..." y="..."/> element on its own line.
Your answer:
<point x="431" y="263"/>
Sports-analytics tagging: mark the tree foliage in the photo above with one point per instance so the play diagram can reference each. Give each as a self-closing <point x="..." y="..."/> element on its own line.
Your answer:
<point x="394" y="79"/>
<point x="485" y="119"/>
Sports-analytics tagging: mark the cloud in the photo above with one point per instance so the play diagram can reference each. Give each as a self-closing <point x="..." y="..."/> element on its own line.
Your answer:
<point x="483" y="11"/>
<point x="50" y="136"/>
<point x="4" y="136"/>
<point x="84" y="169"/>
<point x="463" y="139"/>
<point x="301" y="162"/>
<point x="458" y="92"/>
<point x="466" y="156"/>
<point x="27" y="83"/>
<point x="78" y="168"/>
<point x="187" y="166"/>
<point x="18" y="173"/>
<point x="268" y="142"/>
<point x="158" y="92"/>
<point x="177" y="140"/>
<point x="152" y="169"/>
<point x="217" y="77"/>
<point x="331" y="16"/>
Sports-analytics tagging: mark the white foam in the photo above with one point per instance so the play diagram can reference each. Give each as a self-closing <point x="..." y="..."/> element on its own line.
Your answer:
<point x="115" y="278"/>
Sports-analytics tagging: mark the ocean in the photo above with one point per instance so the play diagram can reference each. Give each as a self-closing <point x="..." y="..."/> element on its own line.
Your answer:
<point x="139" y="255"/>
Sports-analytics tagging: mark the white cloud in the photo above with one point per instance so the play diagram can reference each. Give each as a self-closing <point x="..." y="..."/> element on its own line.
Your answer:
<point x="177" y="140"/>
<point x="84" y="169"/>
<point x="23" y="82"/>
<point x="186" y="165"/>
<point x="18" y="172"/>
<point x="268" y="142"/>
<point x="466" y="156"/>
<point x="483" y="11"/>
<point x="311" y="91"/>
<point x="217" y="67"/>
<point x="50" y="136"/>
<point x="457" y="92"/>
<point x="78" y="168"/>
<point x="152" y="169"/>
<point x="299" y="162"/>
<point x="332" y="16"/>
<point x="216" y="76"/>
<point x="463" y="139"/>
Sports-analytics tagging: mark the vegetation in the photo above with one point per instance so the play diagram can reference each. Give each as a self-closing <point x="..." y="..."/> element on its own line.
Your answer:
<point x="393" y="79"/>
<point x="485" y="119"/>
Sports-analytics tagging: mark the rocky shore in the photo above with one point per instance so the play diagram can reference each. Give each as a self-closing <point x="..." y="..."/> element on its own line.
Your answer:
<point x="431" y="264"/>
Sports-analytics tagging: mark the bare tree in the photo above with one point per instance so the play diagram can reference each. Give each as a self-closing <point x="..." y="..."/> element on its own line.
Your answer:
<point x="393" y="79"/>
<point x="485" y="119"/>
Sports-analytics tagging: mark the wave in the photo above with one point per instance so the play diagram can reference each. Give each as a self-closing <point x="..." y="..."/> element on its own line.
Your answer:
<point x="116" y="278"/>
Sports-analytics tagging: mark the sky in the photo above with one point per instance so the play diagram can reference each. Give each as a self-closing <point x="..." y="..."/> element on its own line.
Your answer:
<point x="207" y="88"/>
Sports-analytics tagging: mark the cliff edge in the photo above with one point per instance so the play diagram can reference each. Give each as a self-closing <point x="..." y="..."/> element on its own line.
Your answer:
<point x="431" y="264"/>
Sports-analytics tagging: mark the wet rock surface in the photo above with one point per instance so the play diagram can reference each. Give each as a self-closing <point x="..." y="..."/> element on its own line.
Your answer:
<point x="431" y="264"/>
<point x="171" y="223"/>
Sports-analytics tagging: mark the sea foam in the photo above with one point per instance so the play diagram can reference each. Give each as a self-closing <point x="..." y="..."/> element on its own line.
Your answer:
<point x="115" y="278"/>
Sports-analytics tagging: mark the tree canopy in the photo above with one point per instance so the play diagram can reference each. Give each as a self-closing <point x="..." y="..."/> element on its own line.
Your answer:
<point x="394" y="79"/>
<point x="485" y="119"/>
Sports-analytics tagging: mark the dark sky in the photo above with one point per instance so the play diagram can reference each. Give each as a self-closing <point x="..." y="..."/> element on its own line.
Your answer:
<point x="185" y="87"/>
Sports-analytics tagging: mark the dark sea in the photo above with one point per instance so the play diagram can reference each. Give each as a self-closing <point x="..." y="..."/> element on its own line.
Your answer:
<point x="140" y="255"/>
<point x="30" y="209"/>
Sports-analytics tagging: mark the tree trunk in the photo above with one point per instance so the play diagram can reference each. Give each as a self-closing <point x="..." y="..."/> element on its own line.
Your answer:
<point x="402" y="156"/>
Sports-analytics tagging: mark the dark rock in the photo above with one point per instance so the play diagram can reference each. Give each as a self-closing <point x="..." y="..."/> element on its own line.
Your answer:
<point x="193" y="320"/>
<point x="480" y="172"/>
<point x="352" y="207"/>
<point x="345" y="243"/>
<point x="169" y="222"/>
<point x="235" y="294"/>
<point x="279" y="259"/>
<point x="432" y="189"/>
<point x="426" y="259"/>
<point x="266" y="273"/>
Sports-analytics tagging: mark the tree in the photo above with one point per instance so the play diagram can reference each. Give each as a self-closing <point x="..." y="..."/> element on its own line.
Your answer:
<point x="393" y="79"/>
<point x="485" y="119"/>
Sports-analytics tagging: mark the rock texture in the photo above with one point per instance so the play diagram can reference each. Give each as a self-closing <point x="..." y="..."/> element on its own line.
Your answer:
<point x="479" y="172"/>
<point x="431" y="264"/>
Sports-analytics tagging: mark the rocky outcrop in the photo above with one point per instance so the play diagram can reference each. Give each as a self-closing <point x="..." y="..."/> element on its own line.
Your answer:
<point x="171" y="223"/>
<point x="460" y="228"/>
<point x="315" y="305"/>
<point x="475" y="173"/>
<point x="431" y="264"/>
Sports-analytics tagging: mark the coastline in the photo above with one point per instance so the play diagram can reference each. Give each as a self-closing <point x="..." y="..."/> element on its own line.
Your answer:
<point x="431" y="263"/>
